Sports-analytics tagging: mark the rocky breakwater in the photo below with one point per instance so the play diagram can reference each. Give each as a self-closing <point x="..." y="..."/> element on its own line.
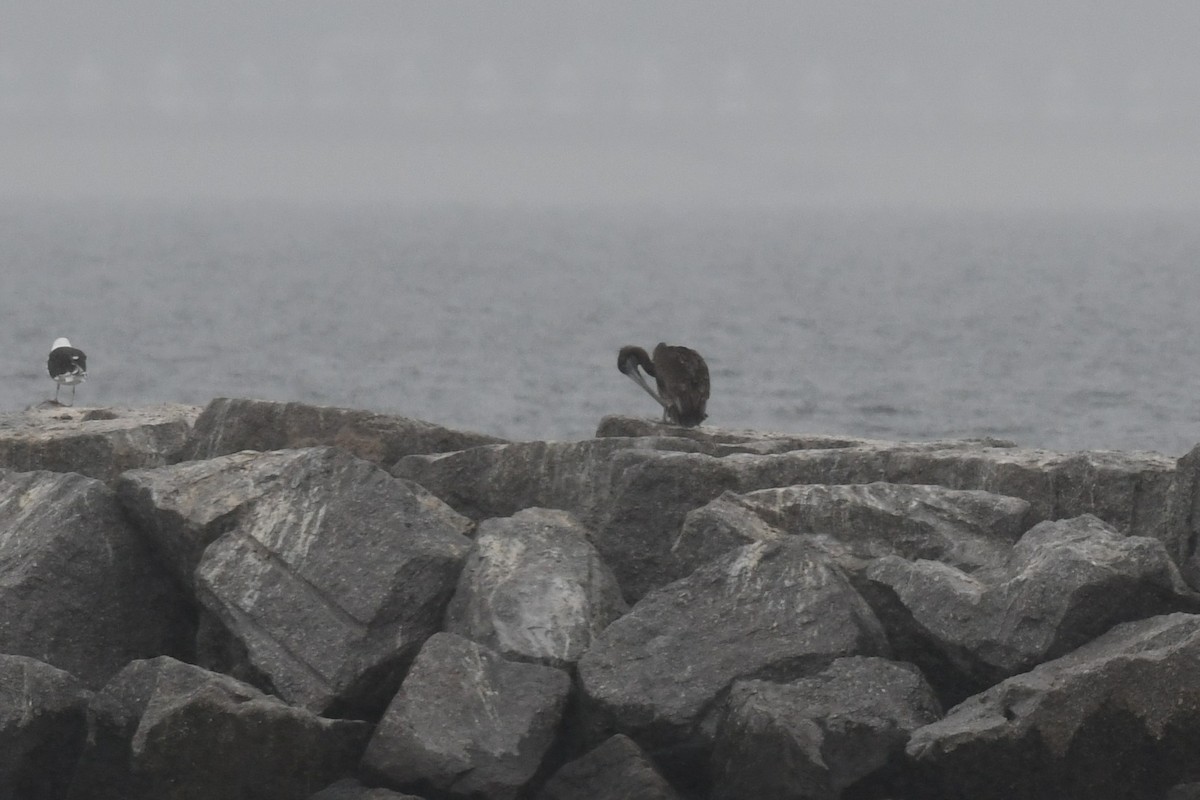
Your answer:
<point x="268" y="600"/>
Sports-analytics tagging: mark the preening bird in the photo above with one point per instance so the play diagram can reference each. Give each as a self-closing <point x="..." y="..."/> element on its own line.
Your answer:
<point x="67" y="365"/>
<point x="680" y="374"/>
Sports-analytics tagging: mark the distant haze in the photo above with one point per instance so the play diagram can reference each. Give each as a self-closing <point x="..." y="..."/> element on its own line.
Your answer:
<point x="1026" y="104"/>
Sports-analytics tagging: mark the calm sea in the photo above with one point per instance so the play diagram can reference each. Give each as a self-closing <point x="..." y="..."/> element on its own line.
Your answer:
<point x="1065" y="331"/>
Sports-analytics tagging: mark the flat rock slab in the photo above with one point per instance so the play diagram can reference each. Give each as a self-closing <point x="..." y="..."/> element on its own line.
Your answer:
<point x="775" y="609"/>
<point x="860" y="522"/>
<point x="331" y="581"/>
<point x="725" y="441"/>
<point x="230" y="425"/>
<point x="43" y="726"/>
<point x="1117" y="719"/>
<point x="98" y="442"/>
<point x="1066" y="582"/>
<point x="79" y="587"/>
<point x="816" y="737"/>
<point x="466" y="722"/>
<point x="616" y="770"/>
<point x="166" y="730"/>
<point x="534" y="589"/>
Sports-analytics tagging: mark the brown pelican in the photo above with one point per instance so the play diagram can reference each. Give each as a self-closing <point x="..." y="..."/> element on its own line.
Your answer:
<point x="66" y="365"/>
<point x="681" y="375"/>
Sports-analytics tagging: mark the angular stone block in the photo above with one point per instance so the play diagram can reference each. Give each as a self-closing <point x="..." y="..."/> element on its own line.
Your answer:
<point x="331" y="582"/>
<point x="468" y="723"/>
<point x="534" y="589"/>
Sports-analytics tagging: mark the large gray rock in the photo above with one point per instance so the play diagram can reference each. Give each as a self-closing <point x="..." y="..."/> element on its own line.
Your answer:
<point x="773" y="610"/>
<point x="98" y="442"/>
<point x="616" y="770"/>
<point x="231" y="425"/>
<point x="468" y="723"/>
<point x="1118" y="718"/>
<point x="184" y="508"/>
<point x="166" y="730"/>
<point x="856" y="523"/>
<point x="1067" y="582"/>
<point x="534" y="589"/>
<point x="43" y="725"/>
<point x="78" y="587"/>
<point x="330" y="582"/>
<point x="816" y="737"/>
<point x="635" y="497"/>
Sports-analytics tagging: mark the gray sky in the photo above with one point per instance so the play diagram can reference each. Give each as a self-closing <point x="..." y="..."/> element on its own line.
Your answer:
<point x="916" y="102"/>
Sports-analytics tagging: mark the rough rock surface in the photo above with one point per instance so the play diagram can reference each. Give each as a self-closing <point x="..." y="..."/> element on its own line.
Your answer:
<point x="184" y="508"/>
<point x="231" y="425"/>
<point x="98" y="442"/>
<point x="773" y="610"/>
<point x="765" y="565"/>
<point x="1185" y="517"/>
<point x="816" y="737"/>
<point x="468" y="722"/>
<point x="1066" y="582"/>
<point x="856" y="523"/>
<point x="43" y="725"/>
<point x="534" y="589"/>
<point x="78" y="587"/>
<point x="723" y="441"/>
<point x="634" y="494"/>
<point x="616" y="770"/>
<point x="350" y="789"/>
<point x="1118" y="718"/>
<point x="166" y="730"/>
<point x="331" y="582"/>
<point x="501" y="480"/>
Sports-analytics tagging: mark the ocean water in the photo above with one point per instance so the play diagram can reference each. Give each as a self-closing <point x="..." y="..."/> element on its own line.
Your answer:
<point x="1058" y="330"/>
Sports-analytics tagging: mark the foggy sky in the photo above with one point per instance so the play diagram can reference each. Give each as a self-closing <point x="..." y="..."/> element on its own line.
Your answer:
<point x="924" y="103"/>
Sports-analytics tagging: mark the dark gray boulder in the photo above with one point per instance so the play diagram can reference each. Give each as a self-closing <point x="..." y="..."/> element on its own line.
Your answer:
<point x="98" y="442"/>
<point x="182" y="509"/>
<point x="1118" y="718"/>
<point x="350" y="789"/>
<point x="1066" y="582"/>
<point x="534" y="589"/>
<point x="43" y="726"/>
<point x="774" y="610"/>
<point x="819" y="736"/>
<point x="615" y="770"/>
<point x="330" y="583"/>
<point x="856" y="523"/>
<point x="78" y="587"/>
<point x="230" y="425"/>
<point x="466" y="722"/>
<point x="165" y="730"/>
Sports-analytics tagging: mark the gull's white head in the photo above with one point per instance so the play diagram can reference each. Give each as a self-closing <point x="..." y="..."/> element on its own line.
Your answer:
<point x="61" y="341"/>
